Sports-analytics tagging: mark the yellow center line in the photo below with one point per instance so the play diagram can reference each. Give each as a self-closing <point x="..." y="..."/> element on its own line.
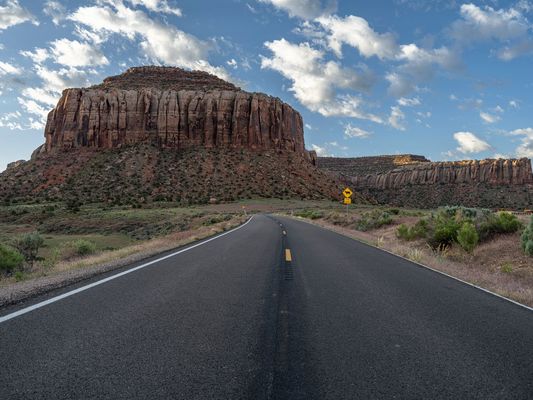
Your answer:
<point x="288" y="256"/>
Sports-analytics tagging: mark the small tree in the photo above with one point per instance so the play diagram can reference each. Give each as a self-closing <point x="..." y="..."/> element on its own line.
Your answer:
<point x="527" y="238"/>
<point x="10" y="259"/>
<point x="467" y="236"/>
<point x="29" y="245"/>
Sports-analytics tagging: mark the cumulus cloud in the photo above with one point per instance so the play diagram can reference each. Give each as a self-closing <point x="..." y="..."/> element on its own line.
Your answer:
<point x="314" y="81"/>
<point x="8" y="69"/>
<point x="397" y="118"/>
<point x="320" y="151"/>
<point x="509" y="26"/>
<point x="405" y="102"/>
<point x="478" y="23"/>
<point x="12" y="13"/>
<point x="38" y="101"/>
<point x="356" y="32"/>
<point x="159" y="42"/>
<point x="470" y="143"/>
<point x="76" y="54"/>
<point x="526" y="148"/>
<point x="489" y="118"/>
<point x="160" y="6"/>
<point x="355" y="132"/>
<point x="305" y="9"/>
<point x="38" y="56"/>
<point x="55" y="10"/>
<point x="418" y="66"/>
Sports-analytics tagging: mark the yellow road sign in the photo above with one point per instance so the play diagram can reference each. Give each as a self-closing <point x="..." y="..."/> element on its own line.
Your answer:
<point x="347" y="193"/>
<point x="347" y="200"/>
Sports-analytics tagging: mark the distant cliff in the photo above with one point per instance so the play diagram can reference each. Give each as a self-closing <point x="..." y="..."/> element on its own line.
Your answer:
<point x="415" y="181"/>
<point x="171" y="108"/>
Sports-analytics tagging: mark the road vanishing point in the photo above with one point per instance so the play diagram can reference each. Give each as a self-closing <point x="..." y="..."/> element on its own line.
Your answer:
<point x="275" y="309"/>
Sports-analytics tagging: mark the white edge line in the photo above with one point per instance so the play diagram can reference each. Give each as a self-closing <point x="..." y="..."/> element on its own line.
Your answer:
<point x="110" y="278"/>
<point x="417" y="263"/>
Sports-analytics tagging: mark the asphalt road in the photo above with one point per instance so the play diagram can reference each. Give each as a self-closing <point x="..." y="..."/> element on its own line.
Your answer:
<point x="233" y="319"/>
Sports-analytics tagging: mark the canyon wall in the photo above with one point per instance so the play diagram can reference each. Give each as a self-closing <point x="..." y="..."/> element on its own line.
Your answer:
<point x="415" y="181"/>
<point x="171" y="108"/>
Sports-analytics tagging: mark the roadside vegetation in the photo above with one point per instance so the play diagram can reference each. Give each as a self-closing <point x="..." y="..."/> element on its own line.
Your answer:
<point x="39" y="240"/>
<point x="490" y="249"/>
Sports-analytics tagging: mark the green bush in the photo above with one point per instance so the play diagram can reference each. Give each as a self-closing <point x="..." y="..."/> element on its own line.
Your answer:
<point x="527" y="238"/>
<point x="29" y="245"/>
<point x="373" y="220"/>
<point x="310" y="214"/>
<point x="467" y="236"/>
<point x="418" y="231"/>
<point x="498" y="223"/>
<point x="84" y="247"/>
<point x="10" y="259"/>
<point x="445" y="231"/>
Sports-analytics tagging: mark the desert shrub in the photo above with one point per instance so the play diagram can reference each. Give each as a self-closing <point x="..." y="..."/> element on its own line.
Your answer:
<point x="10" y="259"/>
<point x="84" y="247"/>
<point x="527" y="238"/>
<point x="417" y="231"/>
<point x="498" y="223"/>
<point x="216" y="219"/>
<point x="467" y="236"/>
<point x="310" y="214"/>
<point x="444" y="232"/>
<point x="51" y="261"/>
<point x="394" y="211"/>
<point x="28" y="245"/>
<point x="373" y="220"/>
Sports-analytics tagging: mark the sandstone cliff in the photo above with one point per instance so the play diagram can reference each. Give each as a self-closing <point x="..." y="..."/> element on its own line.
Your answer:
<point x="161" y="133"/>
<point x="169" y="107"/>
<point x="415" y="181"/>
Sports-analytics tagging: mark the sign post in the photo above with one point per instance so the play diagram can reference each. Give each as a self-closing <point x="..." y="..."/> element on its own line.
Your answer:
<point x="347" y="193"/>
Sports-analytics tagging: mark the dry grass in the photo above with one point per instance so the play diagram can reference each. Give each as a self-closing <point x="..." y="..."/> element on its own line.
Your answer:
<point x="71" y="271"/>
<point x="498" y="265"/>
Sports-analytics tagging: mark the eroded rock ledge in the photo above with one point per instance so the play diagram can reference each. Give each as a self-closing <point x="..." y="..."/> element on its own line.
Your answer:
<point x="170" y="107"/>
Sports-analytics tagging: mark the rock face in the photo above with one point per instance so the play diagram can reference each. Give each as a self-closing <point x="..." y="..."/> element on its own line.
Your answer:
<point x="171" y="108"/>
<point x="415" y="181"/>
<point x="159" y="133"/>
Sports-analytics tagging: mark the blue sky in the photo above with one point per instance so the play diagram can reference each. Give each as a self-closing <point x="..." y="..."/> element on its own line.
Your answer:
<point x="446" y="79"/>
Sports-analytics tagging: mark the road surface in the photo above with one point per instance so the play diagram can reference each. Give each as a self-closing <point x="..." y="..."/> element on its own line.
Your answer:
<point x="233" y="319"/>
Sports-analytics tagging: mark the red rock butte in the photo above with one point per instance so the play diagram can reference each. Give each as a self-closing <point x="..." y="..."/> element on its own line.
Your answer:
<point x="171" y="108"/>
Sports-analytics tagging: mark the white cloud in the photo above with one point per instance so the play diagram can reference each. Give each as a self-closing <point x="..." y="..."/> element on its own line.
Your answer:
<point x="487" y="23"/>
<point x="470" y="143"/>
<point x="320" y="151"/>
<point x="76" y="54"/>
<point x="514" y="104"/>
<point x="38" y="56"/>
<point x="160" y="6"/>
<point x="56" y="11"/>
<point x="8" y="69"/>
<point x="526" y="148"/>
<point x="232" y="63"/>
<point x="405" y="102"/>
<point x="419" y="66"/>
<point x="489" y="118"/>
<point x="397" y="118"/>
<point x="12" y="13"/>
<point x="314" y="81"/>
<point x="509" y="53"/>
<point x="159" y="42"/>
<point x="355" y="132"/>
<point x="40" y="100"/>
<point x="305" y="9"/>
<point x="356" y="32"/>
